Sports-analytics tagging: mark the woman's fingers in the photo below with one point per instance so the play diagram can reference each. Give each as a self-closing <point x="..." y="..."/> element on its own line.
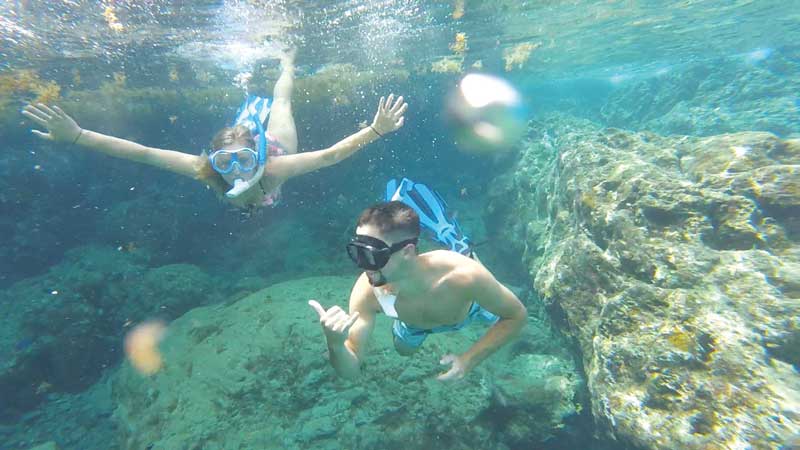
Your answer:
<point x="41" y="121"/>
<point x="42" y="135"/>
<point x="30" y="107"/>
<point x="388" y="103"/>
<point x="59" y="111"/>
<point x="397" y="104"/>
<point x="380" y="104"/>
<point x="35" y="111"/>
<point x="402" y="110"/>
<point x="47" y="110"/>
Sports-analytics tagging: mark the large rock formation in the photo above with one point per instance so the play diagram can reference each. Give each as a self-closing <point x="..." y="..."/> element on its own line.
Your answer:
<point x="674" y="264"/>
<point x="254" y="374"/>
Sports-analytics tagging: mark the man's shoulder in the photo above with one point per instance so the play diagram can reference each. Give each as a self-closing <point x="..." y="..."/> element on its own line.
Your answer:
<point x="457" y="271"/>
<point x="445" y="258"/>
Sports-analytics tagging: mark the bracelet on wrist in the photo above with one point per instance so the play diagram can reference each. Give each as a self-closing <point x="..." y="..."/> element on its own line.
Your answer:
<point x="375" y="131"/>
<point x="78" y="137"/>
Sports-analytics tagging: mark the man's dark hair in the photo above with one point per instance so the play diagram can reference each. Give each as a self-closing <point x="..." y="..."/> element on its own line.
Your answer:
<point x="391" y="218"/>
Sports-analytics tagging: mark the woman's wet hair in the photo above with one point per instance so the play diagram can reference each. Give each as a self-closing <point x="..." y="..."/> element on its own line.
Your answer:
<point x="392" y="218"/>
<point x="230" y="135"/>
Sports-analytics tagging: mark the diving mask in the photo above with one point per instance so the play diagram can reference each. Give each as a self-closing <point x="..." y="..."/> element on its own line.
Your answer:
<point x="224" y="161"/>
<point x="371" y="253"/>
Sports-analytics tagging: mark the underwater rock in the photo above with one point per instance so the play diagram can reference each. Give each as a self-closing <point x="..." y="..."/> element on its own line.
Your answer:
<point x="61" y="330"/>
<point x="547" y="392"/>
<point x="710" y="98"/>
<point x="66" y="320"/>
<point x="672" y="261"/>
<point x="254" y="374"/>
<point x="174" y="289"/>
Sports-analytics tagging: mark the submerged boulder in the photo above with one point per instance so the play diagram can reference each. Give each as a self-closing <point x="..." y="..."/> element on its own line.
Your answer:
<point x="61" y="330"/>
<point x="254" y="374"/>
<point x="673" y="262"/>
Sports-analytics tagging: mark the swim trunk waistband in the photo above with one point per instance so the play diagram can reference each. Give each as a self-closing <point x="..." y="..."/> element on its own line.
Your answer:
<point x="414" y="337"/>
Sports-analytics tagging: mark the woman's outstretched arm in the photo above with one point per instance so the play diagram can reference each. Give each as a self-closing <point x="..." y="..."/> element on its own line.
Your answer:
<point x="62" y="128"/>
<point x="388" y="119"/>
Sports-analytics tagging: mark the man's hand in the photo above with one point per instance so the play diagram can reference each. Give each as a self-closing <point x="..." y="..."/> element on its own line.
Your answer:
<point x="458" y="369"/>
<point x="60" y="127"/>
<point x="389" y="117"/>
<point x="335" y="322"/>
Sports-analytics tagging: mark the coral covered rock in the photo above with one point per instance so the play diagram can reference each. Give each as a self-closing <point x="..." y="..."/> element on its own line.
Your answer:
<point x="672" y="261"/>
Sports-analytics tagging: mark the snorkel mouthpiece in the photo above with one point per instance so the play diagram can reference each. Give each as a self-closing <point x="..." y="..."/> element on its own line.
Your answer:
<point x="240" y="186"/>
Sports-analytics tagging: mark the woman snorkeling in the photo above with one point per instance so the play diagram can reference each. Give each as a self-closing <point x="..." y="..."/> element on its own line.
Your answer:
<point x="247" y="163"/>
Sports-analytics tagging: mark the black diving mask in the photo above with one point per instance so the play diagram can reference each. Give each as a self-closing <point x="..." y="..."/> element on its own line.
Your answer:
<point x="371" y="253"/>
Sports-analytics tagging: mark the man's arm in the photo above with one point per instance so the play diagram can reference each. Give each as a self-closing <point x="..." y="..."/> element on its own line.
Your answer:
<point x="497" y="299"/>
<point x="347" y="334"/>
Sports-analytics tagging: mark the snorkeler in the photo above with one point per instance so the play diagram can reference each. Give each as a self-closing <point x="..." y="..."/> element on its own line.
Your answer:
<point x="433" y="292"/>
<point x="247" y="163"/>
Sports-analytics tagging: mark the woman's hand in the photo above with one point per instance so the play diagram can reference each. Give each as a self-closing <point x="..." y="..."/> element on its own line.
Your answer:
<point x="389" y="117"/>
<point x="60" y="126"/>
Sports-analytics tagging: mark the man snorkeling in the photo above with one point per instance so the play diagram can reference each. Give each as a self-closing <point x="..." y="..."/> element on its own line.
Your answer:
<point x="247" y="163"/>
<point x="437" y="291"/>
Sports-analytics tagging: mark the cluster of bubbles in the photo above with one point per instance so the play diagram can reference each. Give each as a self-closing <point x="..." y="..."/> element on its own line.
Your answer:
<point x="241" y="34"/>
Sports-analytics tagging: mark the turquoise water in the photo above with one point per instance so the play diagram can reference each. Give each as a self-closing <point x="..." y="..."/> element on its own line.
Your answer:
<point x="632" y="188"/>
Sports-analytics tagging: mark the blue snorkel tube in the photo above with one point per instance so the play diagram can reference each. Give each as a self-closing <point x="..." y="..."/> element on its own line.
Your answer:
<point x="252" y="110"/>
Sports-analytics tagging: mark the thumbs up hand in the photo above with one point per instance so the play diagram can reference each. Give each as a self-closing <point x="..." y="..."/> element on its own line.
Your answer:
<point x="335" y="322"/>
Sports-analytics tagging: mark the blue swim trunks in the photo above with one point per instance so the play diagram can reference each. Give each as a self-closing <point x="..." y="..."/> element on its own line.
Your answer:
<point x="414" y="337"/>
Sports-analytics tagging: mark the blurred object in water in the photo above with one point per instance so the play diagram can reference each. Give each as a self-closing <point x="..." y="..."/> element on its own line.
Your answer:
<point x="458" y="9"/>
<point x="141" y="347"/>
<point x="487" y="114"/>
